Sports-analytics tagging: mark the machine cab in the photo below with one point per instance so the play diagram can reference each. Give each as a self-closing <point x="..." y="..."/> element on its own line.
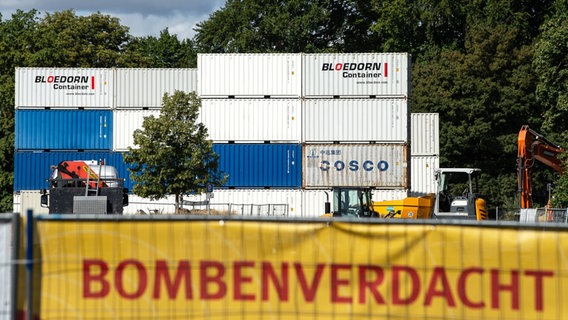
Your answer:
<point x="457" y="193"/>
<point x="352" y="202"/>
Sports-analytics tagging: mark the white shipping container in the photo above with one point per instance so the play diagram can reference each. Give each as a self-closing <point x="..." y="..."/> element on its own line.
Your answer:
<point x="251" y="75"/>
<point x="356" y="75"/>
<point x="145" y="87"/>
<point x="425" y="137"/>
<point x="254" y="202"/>
<point x="355" y="165"/>
<point x="356" y="120"/>
<point x="125" y="122"/>
<point x="29" y="200"/>
<point x="422" y="177"/>
<point x="252" y="120"/>
<point x="64" y="88"/>
<point x="249" y="202"/>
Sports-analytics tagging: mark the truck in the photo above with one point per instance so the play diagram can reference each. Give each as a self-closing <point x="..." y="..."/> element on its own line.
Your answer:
<point x="456" y="197"/>
<point x="84" y="186"/>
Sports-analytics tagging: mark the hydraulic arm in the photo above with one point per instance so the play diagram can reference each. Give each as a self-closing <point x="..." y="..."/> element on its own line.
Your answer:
<point x="534" y="146"/>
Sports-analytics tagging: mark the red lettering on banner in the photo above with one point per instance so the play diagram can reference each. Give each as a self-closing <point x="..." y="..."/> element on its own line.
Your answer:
<point x="337" y="282"/>
<point x="309" y="291"/>
<point x="497" y="287"/>
<point x="215" y="279"/>
<point x="141" y="283"/>
<point x="183" y="273"/>
<point x="373" y="284"/>
<point x="462" y="294"/>
<point x="239" y="279"/>
<point x="396" y="284"/>
<point x="281" y="287"/>
<point x="89" y="278"/>
<point x="439" y="275"/>
<point x="538" y="284"/>
<point x="264" y="281"/>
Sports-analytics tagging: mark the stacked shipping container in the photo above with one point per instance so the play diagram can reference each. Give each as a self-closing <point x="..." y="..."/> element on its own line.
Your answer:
<point x="356" y="122"/>
<point x="286" y="126"/>
<point x="251" y="107"/>
<point x="425" y="152"/>
<point x="61" y="113"/>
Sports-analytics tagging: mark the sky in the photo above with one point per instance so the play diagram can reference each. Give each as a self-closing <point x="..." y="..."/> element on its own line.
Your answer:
<point x="143" y="17"/>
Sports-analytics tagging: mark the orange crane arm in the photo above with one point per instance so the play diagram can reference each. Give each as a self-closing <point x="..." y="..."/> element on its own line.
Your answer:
<point x="533" y="146"/>
<point x="79" y="170"/>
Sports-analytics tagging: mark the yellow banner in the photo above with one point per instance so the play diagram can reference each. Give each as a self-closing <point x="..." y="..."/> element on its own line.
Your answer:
<point x="286" y="270"/>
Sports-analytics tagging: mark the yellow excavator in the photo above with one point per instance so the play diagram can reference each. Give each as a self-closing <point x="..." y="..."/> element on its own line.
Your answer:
<point x="455" y="198"/>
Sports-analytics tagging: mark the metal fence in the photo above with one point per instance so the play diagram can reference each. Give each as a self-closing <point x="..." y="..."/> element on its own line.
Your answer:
<point x="250" y="267"/>
<point x="544" y="215"/>
<point x="243" y="209"/>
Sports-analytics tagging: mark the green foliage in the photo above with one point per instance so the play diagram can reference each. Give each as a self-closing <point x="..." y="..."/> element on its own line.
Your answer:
<point x="166" y="51"/>
<point x="484" y="93"/>
<point x="61" y="39"/>
<point x="289" y="26"/>
<point x="551" y="66"/>
<point x="173" y="155"/>
<point x="15" y="36"/>
<point x="419" y="26"/>
<point x="68" y="40"/>
<point x="486" y="66"/>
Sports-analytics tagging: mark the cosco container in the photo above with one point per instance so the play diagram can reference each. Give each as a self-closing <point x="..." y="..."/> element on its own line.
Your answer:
<point x="423" y="180"/>
<point x="126" y="121"/>
<point x="261" y="165"/>
<point x="425" y="134"/>
<point x="32" y="169"/>
<point x="252" y="75"/>
<point x="64" y="88"/>
<point x="145" y="87"/>
<point x="356" y="75"/>
<point x="63" y="129"/>
<point x="355" y="165"/>
<point x="356" y="120"/>
<point x="252" y="120"/>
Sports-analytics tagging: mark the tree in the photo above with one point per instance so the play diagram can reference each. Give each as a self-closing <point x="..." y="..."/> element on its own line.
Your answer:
<point x="167" y="51"/>
<point x="95" y="41"/>
<point x="61" y="39"/>
<point x="173" y="154"/>
<point x="484" y="93"/>
<point x="15" y="38"/>
<point x="551" y="65"/>
<point x="288" y="26"/>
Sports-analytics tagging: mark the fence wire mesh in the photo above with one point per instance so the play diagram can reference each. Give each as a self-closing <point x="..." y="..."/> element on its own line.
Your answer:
<point x="246" y="267"/>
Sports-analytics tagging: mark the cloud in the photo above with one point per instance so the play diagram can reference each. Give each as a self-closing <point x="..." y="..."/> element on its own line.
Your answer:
<point x="143" y="17"/>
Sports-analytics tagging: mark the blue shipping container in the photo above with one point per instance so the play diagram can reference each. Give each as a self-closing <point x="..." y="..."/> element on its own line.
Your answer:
<point x="247" y="165"/>
<point x="63" y="130"/>
<point x="261" y="165"/>
<point x="32" y="169"/>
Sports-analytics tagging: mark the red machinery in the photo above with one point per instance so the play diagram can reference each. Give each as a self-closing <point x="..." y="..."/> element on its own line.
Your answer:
<point x="80" y="170"/>
<point x="533" y="146"/>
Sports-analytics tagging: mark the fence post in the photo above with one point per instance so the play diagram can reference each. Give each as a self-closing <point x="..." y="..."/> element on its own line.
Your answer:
<point x="15" y="266"/>
<point x="29" y="264"/>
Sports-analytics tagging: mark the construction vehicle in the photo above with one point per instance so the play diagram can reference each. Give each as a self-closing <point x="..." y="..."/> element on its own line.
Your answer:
<point x="84" y="187"/>
<point x="534" y="146"/>
<point x="455" y="198"/>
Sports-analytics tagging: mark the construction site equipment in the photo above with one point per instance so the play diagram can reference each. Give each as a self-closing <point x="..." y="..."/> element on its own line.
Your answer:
<point x="455" y="198"/>
<point x="534" y="146"/>
<point x="84" y="187"/>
